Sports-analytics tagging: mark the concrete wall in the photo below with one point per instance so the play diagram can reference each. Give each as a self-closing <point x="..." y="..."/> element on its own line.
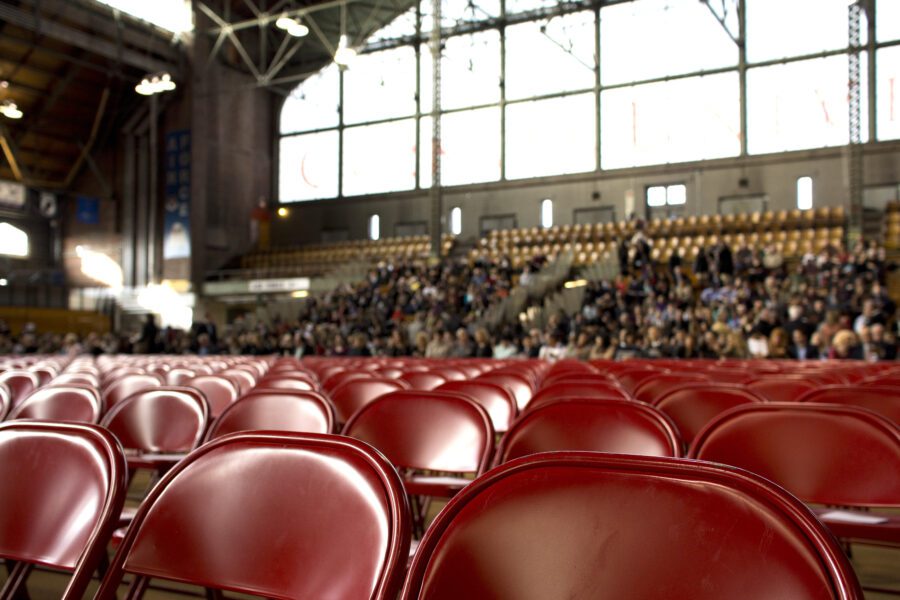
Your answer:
<point x="707" y="182"/>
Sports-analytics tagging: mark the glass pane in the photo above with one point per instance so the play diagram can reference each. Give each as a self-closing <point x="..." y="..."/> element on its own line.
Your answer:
<point x="380" y="85"/>
<point x="470" y="72"/>
<point x="308" y="167"/>
<point x="456" y="220"/>
<point x="543" y="57"/>
<point x="313" y="104"/>
<point x="380" y="158"/>
<point x="13" y="241"/>
<point x="174" y="15"/>
<point x="676" y="194"/>
<point x="470" y="147"/>
<point x="648" y="39"/>
<point x="546" y="213"/>
<point x="887" y="20"/>
<point x="685" y="119"/>
<point x="888" y="93"/>
<point x="403" y="26"/>
<point x="804" y="193"/>
<point x="374" y="227"/>
<point x="772" y="27"/>
<point x="800" y="105"/>
<point x="517" y="6"/>
<point x="656" y="195"/>
<point x="551" y="137"/>
<point x="457" y="12"/>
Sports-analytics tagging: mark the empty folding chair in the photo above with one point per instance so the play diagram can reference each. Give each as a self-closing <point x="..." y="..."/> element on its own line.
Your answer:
<point x="123" y="387"/>
<point x="244" y="379"/>
<point x="884" y="400"/>
<point x="280" y="382"/>
<point x="599" y="425"/>
<point x="653" y="388"/>
<point x="693" y="406"/>
<point x="61" y="403"/>
<point x="301" y="412"/>
<point x="584" y="391"/>
<point x="423" y="380"/>
<point x="20" y="383"/>
<point x="246" y="513"/>
<point x="781" y="389"/>
<point x="590" y="525"/>
<point x="65" y="485"/>
<point x="822" y="453"/>
<point x="219" y="391"/>
<point x="179" y="376"/>
<point x="518" y="384"/>
<point x="498" y="401"/>
<point x="5" y="400"/>
<point x="353" y="394"/>
<point x="76" y="378"/>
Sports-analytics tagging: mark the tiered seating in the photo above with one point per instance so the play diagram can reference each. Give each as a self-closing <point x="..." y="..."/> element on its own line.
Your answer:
<point x="318" y="259"/>
<point x="892" y="226"/>
<point x="792" y="232"/>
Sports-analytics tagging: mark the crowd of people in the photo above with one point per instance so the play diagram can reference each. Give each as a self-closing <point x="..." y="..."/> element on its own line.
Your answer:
<point x="747" y="304"/>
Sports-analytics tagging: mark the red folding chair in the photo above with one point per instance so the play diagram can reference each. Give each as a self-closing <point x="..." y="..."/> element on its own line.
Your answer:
<point x="246" y="513"/>
<point x="576" y="391"/>
<point x="64" y="486"/>
<point x="498" y="401"/>
<point x="244" y="379"/>
<point x="693" y="406"/>
<point x="127" y="385"/>
<point x="618" y="426"/>
<point x="588" y="525"/>
<point x="427" y="432"/>
<point x="5" y="400"/>
<point x="781" y="389"/>
<point x="300" y="412"/>
<point x="77" y="378"/>
<point x="423" y="380"/>
<point x="884" y="400"/>
<point x="353" y="394"/>
<point x="518" y="384"/>
<point x="72" y="402"/>
<point x="220" y="391"/>
<point x="655" y="387"/>
<point x="823" y="453"/>
<point x="20" y="383"/>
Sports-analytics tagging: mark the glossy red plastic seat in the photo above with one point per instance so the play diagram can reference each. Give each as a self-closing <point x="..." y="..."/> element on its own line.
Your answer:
<point x="301" y="412"/>
<point x="179" y="375"/>
<point x="243" y="378"/>
<point x="617" y="426"/>
<point x="5" y="401"/>
<point x="653" y="388"/>
<point x="220" y="391"/>
<point x="270" y="530"/>
<point x="693" y="406"/>
<point x="427" y="431"/>
<point x="518" y="384"/>
<point x="158" y="426"/>
<point x="575" y="377"/>
<point x="20" y="384"/>
<point x="76" y="378"/>
<point x="61" y="403"/>
<point x="884" y="400"/>
<point x="630" y="379"/>
<point x="336" y="379"/>
<point x="498" y="401"/>
<point x="573" y="391"/>
<point x="782" y="389"/>
<point x="589" y="525"/>
<point x="276" y="382"/>
<point x="822" y="453"/>
<point x="129" y="384"/>
<point x="64" y="485"/>
<point x="423" y="380"/>
<point x="353" y="394"/>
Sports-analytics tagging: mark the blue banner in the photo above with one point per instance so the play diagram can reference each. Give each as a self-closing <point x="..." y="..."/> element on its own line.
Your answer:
<point x="177" y="220"/>
<point x="87" y="210"/>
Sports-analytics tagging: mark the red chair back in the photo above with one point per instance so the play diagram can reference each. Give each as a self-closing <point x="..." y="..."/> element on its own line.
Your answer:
<point x="270" y="531"/>
<point x="243" y="378"/>
<point x="781" y="389"/>
<point x="653" y="388"/>
<point x="822" y="453"/>
<point x="163" y="420"/>
<point x="220" y="391"/>
<point x="498" y="401"/>
<point x="423" y="380"/>
<point x="632" y="378"/>
<point x="430" y="431"/>
<point x="76" y="378"/>
<point x="20" y="384"/>
<point x="127" y="385"/>
<point x="179" y="376"/>
<point x="336" y="379"/>
<point x="70" y="483"/>
<point x="300" y="412"/>
<point x="353" y="394"/>
<point x="573" y="391"/>
<point x="884" y="400"/>
<point x="516" y="383"/>
<point x="5" y="400"/>
<point x="583" y="525"/>
<point x="695" y="405"/>
<point x="61" y="403"/>
<point x="619" y="426"/>
<point x="276" y="382"/>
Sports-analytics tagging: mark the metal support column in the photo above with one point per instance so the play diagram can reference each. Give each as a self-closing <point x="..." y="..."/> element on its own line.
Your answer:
<point x="742" y="71"/>
<point x="435" y="228"/>
<point x="153" y="194"/>
<point x="854" y="150"/>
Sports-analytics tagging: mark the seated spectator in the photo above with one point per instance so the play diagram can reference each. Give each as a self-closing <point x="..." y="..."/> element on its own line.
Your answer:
<point x="801" y="348"/>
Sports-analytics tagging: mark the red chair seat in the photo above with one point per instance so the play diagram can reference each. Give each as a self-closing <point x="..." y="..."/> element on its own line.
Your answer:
<point x="437" y="486"/>
<point x="884" y="527"/>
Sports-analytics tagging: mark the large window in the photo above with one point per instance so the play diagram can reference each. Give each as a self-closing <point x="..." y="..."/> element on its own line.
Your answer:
<point x="13" y="241"/>
<point x="672" y="121"/>
<point x="551" y="137"/>
<point x="527" y="96"/>
<point x="799" y="105"/>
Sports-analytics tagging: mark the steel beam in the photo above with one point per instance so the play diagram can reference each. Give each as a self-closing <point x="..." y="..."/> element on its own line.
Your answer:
<point x="82" y="40"/>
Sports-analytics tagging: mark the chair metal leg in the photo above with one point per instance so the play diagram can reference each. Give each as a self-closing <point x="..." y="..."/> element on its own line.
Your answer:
<point x="14" y="589"/>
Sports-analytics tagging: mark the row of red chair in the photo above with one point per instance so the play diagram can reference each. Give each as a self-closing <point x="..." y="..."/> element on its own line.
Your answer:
<point x="285" y="515"/>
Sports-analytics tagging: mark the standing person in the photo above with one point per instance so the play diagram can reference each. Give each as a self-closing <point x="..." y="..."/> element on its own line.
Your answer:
<point x="149" y="332"/>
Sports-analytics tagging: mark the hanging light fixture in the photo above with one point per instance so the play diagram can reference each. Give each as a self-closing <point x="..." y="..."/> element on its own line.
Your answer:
<point x="9" y="110"/>
<point x="344" y="54"/>
<point x="155" y="84"/>
<point x="293" y="26"/>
